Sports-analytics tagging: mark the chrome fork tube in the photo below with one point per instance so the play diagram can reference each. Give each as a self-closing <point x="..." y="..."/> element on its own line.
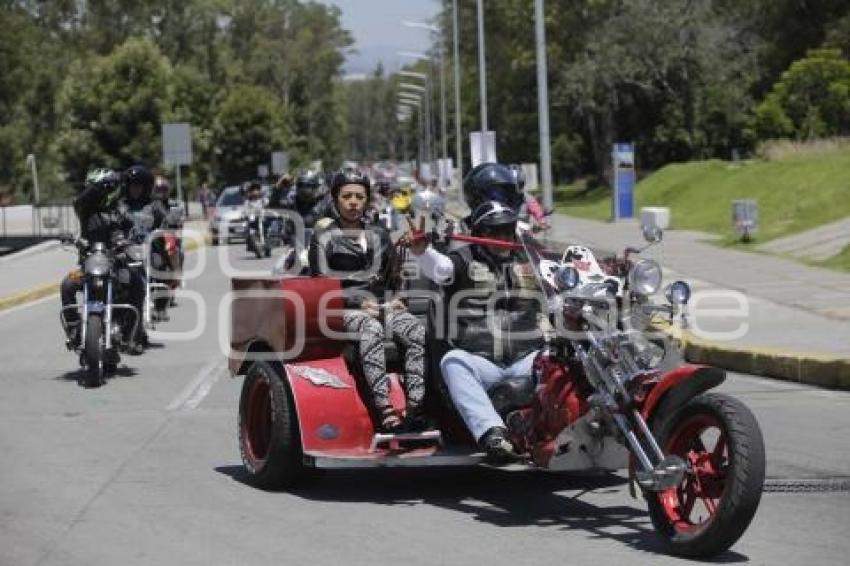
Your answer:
<point x="647" y="434"/>
<point x="85" y="315"/>
<point x="637" y="449"/>
<point x="108" y="318"/>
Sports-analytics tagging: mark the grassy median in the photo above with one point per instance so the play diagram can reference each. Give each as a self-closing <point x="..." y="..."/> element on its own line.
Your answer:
<point x="796" y="190"/>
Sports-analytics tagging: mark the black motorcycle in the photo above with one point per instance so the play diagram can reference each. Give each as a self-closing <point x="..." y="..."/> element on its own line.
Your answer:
<point x="255" y="241"/>
<point x="105" y="319"/>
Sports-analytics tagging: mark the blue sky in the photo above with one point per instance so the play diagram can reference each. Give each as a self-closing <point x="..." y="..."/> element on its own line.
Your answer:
<point x="378" y="32"/>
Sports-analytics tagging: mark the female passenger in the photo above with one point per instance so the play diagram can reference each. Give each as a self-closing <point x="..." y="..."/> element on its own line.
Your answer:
<point x="346" y="246"/>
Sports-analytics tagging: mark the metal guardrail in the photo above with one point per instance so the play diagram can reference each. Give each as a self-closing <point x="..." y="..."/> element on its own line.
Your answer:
<point x="45" y="220"/>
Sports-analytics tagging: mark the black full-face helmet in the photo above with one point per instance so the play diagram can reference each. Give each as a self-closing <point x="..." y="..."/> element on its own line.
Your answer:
<point x="493" y="217"/>
<point x="105" y="181"/>
<point x="492" y="182"/>
<point x="519" y="174"/>
<point x="139" y="175"/>
<point x="349" y="176"/>
<point x="308" y="186"/>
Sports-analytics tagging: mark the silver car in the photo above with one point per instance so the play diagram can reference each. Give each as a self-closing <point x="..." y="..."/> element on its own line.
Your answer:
<point x="227" y="222"/>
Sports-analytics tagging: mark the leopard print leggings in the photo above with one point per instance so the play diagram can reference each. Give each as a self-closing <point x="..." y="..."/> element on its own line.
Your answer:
<point x="407" y="332"/>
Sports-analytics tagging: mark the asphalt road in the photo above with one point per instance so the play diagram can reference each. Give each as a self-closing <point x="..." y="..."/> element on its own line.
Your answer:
<point x="146" y="470"/>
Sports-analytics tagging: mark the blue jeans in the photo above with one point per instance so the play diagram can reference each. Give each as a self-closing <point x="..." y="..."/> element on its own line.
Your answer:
<point x="469" y="377"/>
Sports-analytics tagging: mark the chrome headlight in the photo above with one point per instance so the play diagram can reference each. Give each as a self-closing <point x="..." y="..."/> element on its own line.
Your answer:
<point x="678" y="293"/>
<point x="97" y="264"/>
<point x="136" y="253"/>
<point x="566" y="278"/>
<point x="645" y="277"/>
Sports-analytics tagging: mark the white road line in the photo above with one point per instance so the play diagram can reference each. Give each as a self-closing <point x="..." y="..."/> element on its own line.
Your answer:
<point x="204" y="389"/>
<point x="192" y="395"/>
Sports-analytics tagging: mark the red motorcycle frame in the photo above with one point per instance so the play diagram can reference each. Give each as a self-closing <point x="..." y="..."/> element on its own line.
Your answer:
<point x="697" y="457"/>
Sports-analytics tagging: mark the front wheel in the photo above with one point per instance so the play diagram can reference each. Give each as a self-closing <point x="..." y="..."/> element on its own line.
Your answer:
<point x="93" y="353"/>
<point x="269" y="441"/>
<point x="721" y="442"/>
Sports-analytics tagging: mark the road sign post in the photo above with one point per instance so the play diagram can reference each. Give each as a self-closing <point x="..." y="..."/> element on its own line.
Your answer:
<point x="280" y="162"/>
<point x="482" y="148"/>
<point x="623" y="161"/>
<point x="177" y="149"/>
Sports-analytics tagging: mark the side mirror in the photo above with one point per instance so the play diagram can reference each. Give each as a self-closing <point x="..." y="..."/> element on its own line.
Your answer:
<point x="651" y="233"/>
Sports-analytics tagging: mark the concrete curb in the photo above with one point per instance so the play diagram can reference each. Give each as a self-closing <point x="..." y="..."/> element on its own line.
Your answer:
<point x="822" y="370"/>
<point x="41" y="291"/>
<point x="32" y="250"/>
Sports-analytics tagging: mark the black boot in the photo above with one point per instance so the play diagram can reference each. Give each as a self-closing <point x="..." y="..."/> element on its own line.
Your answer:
<point x="500" y="450"/>
<point x="72" y="334"/>
<point x="138" y="344"/>
<point x="416" y="421"/>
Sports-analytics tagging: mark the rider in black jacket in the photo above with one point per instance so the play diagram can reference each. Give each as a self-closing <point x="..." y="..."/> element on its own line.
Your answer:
<point x="347" y="246"/>
<point x="101" y="220"/>
<point x="492" y="307"/>
<point x="309" y="202"/>
<point x="147" y="214"/>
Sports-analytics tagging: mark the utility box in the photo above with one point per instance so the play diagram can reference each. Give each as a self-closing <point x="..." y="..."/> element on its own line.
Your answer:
<point x="655" y="216"/>
<point x="745" y="218"/>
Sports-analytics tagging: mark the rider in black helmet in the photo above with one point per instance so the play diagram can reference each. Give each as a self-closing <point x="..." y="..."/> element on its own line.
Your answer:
<point x="492" y="182"/>
<point x="137" y="201"/>
<point x="146" y="215"/>
<point x="104" y="220"/>
<point x="311" y="202"/>
<point x="495" y="315"/>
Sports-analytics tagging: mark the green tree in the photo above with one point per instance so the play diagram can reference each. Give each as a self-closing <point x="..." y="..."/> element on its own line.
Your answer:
<point x="811" y="100"/>
<point x="113" y="107"/>
<point x="249" y="125"/>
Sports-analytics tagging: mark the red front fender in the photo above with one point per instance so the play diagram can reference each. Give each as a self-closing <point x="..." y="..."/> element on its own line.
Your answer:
<point x="678" y="386"/>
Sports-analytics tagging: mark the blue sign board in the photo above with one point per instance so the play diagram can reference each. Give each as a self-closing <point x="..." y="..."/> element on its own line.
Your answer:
<point x="623" y="158"/>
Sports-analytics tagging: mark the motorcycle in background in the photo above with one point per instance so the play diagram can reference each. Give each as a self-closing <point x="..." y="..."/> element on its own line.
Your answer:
<point x="254" y="214"/>
<point x="166" y="262"/>
<point x="105" y="321"/>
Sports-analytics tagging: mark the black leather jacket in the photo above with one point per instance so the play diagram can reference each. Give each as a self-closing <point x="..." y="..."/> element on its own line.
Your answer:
<point x="492" y="309"/>
<point x="100" y="222"/>
<point x="145" y="215"/>
<point x="334" y="254"/>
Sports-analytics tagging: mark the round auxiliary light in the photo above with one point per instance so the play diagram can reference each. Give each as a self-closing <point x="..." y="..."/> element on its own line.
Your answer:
<point x="678" y="293"/>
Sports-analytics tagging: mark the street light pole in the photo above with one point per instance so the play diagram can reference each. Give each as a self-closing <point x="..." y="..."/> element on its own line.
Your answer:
<point x="458" y="132"/>
<point x="543" y="104"/>
<point x="411" y="100"/>
<point x="482" y="78"/>
<point x="34" y="169"/>
<point x="443" y="118"/>
<point x="427" y="95"/>
<point x="442" y="44"/>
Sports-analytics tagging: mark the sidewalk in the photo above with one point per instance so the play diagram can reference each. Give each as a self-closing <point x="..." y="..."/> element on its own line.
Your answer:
<point x="795" y="312"/>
